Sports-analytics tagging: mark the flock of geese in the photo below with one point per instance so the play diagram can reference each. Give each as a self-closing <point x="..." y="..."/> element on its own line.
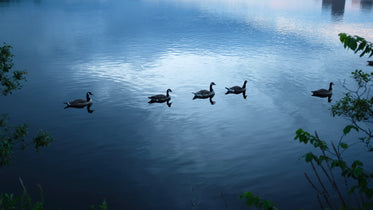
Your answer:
<point x="160" y="98"/>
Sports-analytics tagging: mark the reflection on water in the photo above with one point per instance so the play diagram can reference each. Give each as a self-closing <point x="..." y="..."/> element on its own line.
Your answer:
<point x="337" y="8"/>
<point x="329" y="97"/>
<point x="365" y="5"/>
<point x="211" y="101"/>
<point x="160" y="102"/>
<point x="206" y="97"/>
<point x="243" y="93"/>
<point x="2" y="2"/>
<point x="125" y="50"/>
<point x="89" y="110"/>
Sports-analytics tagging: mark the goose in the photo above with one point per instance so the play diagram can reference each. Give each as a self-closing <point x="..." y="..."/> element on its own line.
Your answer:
<point x="160" y="97"/>
<point x="205" y="93"/>
<point x="370" y="63"/>
<point x="237" y="89"/>
<point x="79" y="103"/>
<point x="323" y="92"/>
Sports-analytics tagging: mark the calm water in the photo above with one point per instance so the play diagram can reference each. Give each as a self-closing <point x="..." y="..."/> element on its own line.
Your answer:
<point x="150" y="156"/>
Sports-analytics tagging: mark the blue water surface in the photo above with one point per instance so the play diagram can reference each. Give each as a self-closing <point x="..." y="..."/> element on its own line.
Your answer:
<point x="191" y="155"/>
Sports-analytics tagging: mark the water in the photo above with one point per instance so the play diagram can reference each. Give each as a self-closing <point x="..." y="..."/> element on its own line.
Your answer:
<point x="150" y="156"/>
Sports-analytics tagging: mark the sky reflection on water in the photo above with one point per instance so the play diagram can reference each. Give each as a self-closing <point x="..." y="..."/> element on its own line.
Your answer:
<point x="125" y="51"/>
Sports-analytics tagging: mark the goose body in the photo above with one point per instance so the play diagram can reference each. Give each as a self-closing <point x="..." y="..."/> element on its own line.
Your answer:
<point x="370" y="63"/>
<point x="79" y="103"/>
<point x="237" y="89"/>
<point x="323" y="92"/>
<point x="160" y="97"/>
<point x="205" y="93"/>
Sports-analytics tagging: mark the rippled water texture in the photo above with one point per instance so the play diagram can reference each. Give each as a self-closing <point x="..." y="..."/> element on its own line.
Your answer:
<point x="138" y="155"/>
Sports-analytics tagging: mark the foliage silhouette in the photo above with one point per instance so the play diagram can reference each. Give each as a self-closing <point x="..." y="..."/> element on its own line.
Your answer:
<point x="327" y="162"/>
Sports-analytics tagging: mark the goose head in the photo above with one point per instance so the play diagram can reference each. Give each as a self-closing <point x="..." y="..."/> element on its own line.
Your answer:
<point x="88" y="94"/>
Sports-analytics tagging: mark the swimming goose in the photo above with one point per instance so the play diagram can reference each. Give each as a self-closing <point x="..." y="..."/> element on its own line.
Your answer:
<point x="205" y="93"/>
<point x="79" y="103"/>
<point x="370" y="63"/>
<point x="323" y="92"/>
<point x="236" y="89"/>
<point x="160" y="97"/>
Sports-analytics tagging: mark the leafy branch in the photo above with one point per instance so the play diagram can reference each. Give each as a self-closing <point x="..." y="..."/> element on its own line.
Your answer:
<point x="357" y="105"/>
<point x="10" y="80"/>
<point x="356" y="43"/>
<point x="24" y="201"/>
<point x="11" y="137"/>
<point x="256" y="201"/>
<point x="354" y="173"/>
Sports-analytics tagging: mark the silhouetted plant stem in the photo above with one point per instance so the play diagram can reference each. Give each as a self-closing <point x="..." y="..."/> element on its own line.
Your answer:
<point x="331" y="180"/>
<point x="225" y="201"/>
<point x="319" y="200"/>
<point x="333" y="183"/>
<point x="314" y="186"/>
<point x="324" y="191"/>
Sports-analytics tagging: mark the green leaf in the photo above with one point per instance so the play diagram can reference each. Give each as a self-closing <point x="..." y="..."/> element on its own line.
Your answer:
<point x="342" y="37"/>
<point x="343" y="145"/>
<point x="352" y="189"/>
<point x="367" y="50"/>
<point x="369" y="193"/>
<point x="348" y="128"/>
<point x="356" y="163"/>
<point x="309" y="157"/>
<point x="357" y="172"/>
<point x="361" y="46"/>
<point x="353" y="44"/>
<point x="346" y="42"/>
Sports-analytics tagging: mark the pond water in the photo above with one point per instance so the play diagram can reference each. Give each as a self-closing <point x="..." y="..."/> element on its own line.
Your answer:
<point x="192" y="154"/>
